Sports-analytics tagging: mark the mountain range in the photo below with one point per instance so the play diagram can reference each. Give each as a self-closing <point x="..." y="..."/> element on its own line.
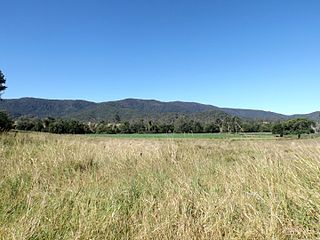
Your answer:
<point x="132" y="109"/>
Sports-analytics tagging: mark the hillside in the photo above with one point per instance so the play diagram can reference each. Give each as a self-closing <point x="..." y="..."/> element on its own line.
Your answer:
<point x="43" y="107"/>
<point x="315" y="116"/>
<point x="130" y="109"/>
<point x="255" y="114"/>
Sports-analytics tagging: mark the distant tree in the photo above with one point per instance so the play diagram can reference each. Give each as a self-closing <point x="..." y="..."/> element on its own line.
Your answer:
<point x="47" y="122"/>
<point x="182" y="125"/>
<point x="25" y="124"/>
<point x="5" y="122"/>
<point x="299" y="126"/>
<point x="74" y="127"/>
<point x="138" y="127"/>
<point x="230" y="125"/>
<point x="38" y="125"/>
<point x="57" y="127"/>
<point x="2" y="83"/>
<point x="152" y="127"/>
<point x="101" y="128"/>
<point x="211" y="128"/>
<point x="250" y="127"/>
<point x="166" y="128"/>
<point x="317" y="127"/>
<point x="294" y="126"/>
<point x="225" y="125"/>
<point x="125" y="127"/>
<point x="265" y="127"/>
<point x="196" y="127"/>
<point x="278" y="129"/>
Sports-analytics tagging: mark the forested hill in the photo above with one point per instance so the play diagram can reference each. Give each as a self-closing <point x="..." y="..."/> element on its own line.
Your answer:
<point x="128" y="109"/>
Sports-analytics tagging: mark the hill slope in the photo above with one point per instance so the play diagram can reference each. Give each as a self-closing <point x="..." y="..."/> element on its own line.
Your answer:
<point x="127" y="109"/>
<point x="43" y="107"/>
<point x="254" y="114"/>
<point x="130" y="109"/>
<point x="315" y="116"/>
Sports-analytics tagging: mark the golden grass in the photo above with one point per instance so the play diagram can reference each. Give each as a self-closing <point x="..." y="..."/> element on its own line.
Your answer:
<point x="73" y="187"/>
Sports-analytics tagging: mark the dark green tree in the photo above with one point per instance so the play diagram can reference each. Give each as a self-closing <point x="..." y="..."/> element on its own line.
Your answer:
<point x="5" y="122"/>
<point x="57" y="127"/>
<point x="2" y="83"/>
<point x="299" y="126"/>
<point x="182" y="125"/>
<point x="211" y="128"/>
<point x="294" y="126"/>
<point x="278" y="128"/>
<point x="138" y="127"/>
<point x="196" y="127"/>
<point x="125" y="127"/>
<point x="166" y="128"/>
<point x="25" y="124"/>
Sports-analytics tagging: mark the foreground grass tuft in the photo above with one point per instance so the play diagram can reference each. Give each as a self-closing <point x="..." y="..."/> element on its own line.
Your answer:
<point x="73" y="187"/>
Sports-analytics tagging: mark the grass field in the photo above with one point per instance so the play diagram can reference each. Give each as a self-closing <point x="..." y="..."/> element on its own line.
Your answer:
<point x="80" y="187"/>
<point x="186" y="135"/>
<point x="240" y="136"/>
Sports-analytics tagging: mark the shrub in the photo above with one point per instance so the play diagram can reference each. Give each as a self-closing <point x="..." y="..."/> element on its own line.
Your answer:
<point x="5" y="122"/>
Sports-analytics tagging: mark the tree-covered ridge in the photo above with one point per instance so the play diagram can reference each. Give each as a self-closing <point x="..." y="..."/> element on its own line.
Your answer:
<point x="128" y="109"/>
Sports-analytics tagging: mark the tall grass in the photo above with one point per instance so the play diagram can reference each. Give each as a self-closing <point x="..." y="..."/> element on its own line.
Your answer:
<point x="67" y="187"/>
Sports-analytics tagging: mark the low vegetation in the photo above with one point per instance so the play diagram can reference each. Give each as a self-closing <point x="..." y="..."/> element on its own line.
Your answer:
<point x="77" y="187"/>
<point x="294" y="126"/>
<point x="5" y="122"/>
<point x="181" y="124"/>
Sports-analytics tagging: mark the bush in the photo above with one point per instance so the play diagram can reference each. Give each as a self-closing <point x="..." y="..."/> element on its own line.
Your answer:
<point x="5" y="122"/>
<point x="211" y="128"/>
<point x="278" y="129"/>
<point x="294" y="126"/>
<point x="30" y="124"/>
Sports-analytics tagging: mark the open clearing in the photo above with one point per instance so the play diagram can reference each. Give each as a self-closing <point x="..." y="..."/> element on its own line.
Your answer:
<point x="80" y="187"/>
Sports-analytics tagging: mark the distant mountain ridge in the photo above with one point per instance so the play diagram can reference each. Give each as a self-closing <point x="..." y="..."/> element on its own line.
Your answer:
<point x="130" y="109"/>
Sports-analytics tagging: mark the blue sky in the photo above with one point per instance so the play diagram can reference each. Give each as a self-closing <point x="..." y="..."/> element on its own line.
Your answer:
<point x="230" y="53"/>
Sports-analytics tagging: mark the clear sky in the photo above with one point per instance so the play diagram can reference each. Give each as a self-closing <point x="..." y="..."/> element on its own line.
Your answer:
<point x="258" y="54"/>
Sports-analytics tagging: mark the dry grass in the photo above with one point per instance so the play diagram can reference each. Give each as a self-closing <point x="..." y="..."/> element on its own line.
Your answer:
<point x="67" y="187"/>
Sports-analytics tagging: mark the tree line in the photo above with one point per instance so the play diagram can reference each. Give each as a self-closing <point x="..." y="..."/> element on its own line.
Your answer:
<point x="181" y="124"/>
